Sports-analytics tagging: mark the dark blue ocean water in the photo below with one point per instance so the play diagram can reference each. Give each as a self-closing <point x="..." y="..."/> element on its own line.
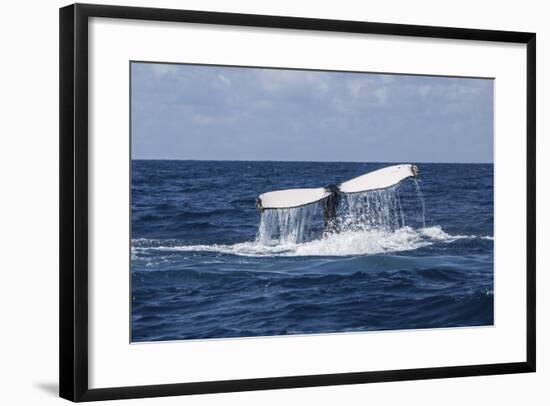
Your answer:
<point x="198" y="271"/>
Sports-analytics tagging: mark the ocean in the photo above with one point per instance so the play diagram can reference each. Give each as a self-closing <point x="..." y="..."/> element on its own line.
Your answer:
<point x="205" y="263"/>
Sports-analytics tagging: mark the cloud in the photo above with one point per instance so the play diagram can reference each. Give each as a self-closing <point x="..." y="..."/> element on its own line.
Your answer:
<point x="358" y="85"/>
<point x="226" y="81"/>
<point x="162" y="69"/>
<point x="424" y="90"/>
<point x="210" y="112"/>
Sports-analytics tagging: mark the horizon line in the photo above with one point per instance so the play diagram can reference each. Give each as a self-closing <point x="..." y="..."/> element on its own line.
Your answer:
<point x="313" y="161"/>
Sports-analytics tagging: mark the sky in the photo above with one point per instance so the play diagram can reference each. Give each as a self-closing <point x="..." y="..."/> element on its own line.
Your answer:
<point x="232" y="113"/>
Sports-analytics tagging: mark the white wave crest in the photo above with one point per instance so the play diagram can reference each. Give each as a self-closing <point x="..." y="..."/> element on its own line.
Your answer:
<point x="341" y="244"/>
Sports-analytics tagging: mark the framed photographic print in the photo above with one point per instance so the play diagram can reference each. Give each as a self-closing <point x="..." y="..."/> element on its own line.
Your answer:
<point x="257" y="202"/>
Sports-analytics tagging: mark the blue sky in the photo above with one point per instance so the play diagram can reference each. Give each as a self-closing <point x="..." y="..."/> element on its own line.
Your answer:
<point x="224" y="113"/>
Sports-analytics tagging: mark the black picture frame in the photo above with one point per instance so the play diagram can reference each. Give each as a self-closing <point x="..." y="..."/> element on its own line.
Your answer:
<point x="73" y="254"/>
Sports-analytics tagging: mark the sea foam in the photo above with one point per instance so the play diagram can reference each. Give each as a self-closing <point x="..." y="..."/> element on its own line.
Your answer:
<point x="341" y="244"/>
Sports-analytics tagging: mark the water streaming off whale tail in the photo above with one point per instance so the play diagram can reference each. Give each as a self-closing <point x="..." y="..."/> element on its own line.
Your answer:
<point x="293" y="225"/>
<point x="384" y="210"/>
<point x="421" y="198"/>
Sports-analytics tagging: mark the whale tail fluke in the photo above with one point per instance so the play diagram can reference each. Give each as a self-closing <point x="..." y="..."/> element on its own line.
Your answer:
<point x="379" y="179"/>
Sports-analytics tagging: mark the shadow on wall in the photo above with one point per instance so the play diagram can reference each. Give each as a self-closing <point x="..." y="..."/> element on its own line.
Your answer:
<point x="51" y="388"/>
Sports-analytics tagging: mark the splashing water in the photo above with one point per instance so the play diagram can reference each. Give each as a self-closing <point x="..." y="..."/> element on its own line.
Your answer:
<point x="376" y="210"/>
<point x="336" y="244"/>
<point x="283" y="226"/>
<point x="421" y="197"/>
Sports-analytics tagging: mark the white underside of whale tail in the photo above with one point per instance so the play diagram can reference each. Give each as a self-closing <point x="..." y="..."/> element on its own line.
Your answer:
<point x="283" y="199"/>
<point x="379" y="179"/>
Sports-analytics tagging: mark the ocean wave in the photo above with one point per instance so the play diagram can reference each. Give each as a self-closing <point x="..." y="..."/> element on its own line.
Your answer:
<point x="341" y="244"/>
